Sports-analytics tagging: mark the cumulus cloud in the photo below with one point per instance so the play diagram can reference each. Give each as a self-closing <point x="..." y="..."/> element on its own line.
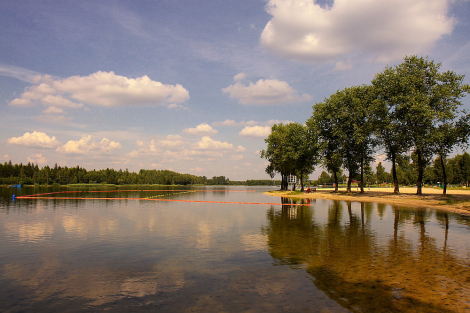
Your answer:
<point x="343" y="66"/>
<point x="176" y="106"/>
<point x="305" y="31"/>
<point x="240" y="149"/>
<point x="108" y="146"/>
<point x="171" y="141"/>
<point x="200" y="130"/>
<point x="233" y="123"/>
<point x="239" y="77"/>
<point x="269" y="91"/>
<point x="21" y="102"/>
<point x="57" y="119"/>
<point x="37" y="158"/>
<point x="208" y="143"/>
<point x="102" y="89"/>
<point x="86" y="145"/>
<point x="255" y="131"/>
<point x="34" y="139"/>
<point x="53" y="110"/>
<point x="237" y="157"/>
<point x="197" y="169"/>
<point x="58" y="101"/>
<point x="272" y="122"/>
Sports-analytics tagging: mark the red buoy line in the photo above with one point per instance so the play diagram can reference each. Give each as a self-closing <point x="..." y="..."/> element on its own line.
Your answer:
<point x="96" y="191"/>
<point x="47" y="196"/>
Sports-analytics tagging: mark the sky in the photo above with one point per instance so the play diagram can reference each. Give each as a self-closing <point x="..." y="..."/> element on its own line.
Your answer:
<point x="194" y="86"/>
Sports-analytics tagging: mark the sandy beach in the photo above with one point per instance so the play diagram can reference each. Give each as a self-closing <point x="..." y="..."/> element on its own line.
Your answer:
<point x="457" y="201"/>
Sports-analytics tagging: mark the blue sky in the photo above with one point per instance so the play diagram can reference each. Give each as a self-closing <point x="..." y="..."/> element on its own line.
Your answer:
<point x="194" y="86"/>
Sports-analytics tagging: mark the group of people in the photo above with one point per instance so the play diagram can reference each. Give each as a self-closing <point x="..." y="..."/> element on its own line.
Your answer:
<point x="309" y="190"/>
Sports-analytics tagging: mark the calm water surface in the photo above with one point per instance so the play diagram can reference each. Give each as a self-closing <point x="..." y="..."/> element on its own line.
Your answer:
<point x="139" y="256"/>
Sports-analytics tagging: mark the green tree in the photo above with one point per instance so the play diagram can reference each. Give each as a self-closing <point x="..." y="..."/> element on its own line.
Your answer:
<point x="449" y="134"/>
<point x="421" y="98"/>
<point x="291" y="149"/>
<point x="342" y="122"/>
<point x="380" y="173"/>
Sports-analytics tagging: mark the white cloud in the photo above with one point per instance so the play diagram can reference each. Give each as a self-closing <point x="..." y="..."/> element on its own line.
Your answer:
<point x="200" y="130"/>
<point x="102" y="89"/>
<point x="208" y="143"/>
<point x="197" y="169"/>
<point x="34" y="139"/>
<point x="170" y="142"/>
<point x="81" y="146"/>
<point x="53" y="110"/>
<point x="109" y="89"/>
<point x="108" y="146"/>
<point x="57" y="119"/>
<point x="256" y="131"/>
<point x="18" y="73"/>
<point x="342" y="66"/>
<point x="21" y="102"/>
<point x="240" y="149"/>
<point x="37" y="158"/>
<point x="58" y="101"/>
<point x="272" y="122"/>
<point x="269" y="91"/>
<point x="225" y="123"/>
<point x="233" y="123"/>
<point x="305" y="31"/>
<point x="239" y="77"/>
<point x="86" y="145"/>
<point x="237" y="157"/>
<point x="176" y="106"/>
<point x="133" y="154"/>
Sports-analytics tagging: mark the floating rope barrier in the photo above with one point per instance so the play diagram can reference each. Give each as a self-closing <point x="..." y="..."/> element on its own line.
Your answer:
<point x="49" y="196"/>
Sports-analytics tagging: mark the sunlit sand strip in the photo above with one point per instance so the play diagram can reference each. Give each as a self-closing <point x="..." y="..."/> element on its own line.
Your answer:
<point x="403" y="190"/>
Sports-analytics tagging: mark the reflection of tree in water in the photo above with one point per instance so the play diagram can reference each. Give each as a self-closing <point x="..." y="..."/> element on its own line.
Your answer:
<point x="350" y="263"/>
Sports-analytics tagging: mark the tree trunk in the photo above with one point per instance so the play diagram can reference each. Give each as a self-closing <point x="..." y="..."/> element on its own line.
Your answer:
<point x="444" y="175"/>
<point x="348" y="188"/>
<point x="336" y="180"/>
<point x="395" y="177"/>
<point x="301" y="182"/>
<point x="362" y="175"/>
<point x="419" y="190"/>
<point x="284" y="182"/>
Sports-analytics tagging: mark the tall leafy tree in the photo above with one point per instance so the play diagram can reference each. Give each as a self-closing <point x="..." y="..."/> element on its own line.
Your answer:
<point x="387" y="119"/>
<point x="343" y="124"/>
<point x="417" y="97"/>
<point x="291" y="149"/>
<point x="323" y="123"/>
<point x="448" y="135"/>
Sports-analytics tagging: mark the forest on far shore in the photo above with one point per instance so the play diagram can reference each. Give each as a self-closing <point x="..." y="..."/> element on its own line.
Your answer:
<point x="31" y="174"/>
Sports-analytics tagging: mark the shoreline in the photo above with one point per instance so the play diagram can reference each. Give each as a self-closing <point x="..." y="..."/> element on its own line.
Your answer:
<point x="456" y="201"/>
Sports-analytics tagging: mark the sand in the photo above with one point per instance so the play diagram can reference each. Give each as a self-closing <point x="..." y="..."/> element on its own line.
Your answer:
<point x="457" y="201"/>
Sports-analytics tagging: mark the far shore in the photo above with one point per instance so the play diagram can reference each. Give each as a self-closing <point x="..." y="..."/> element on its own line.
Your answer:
<point x="457" y="201"/>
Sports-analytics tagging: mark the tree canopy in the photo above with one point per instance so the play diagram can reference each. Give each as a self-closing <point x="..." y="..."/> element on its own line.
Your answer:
<point x="411" y="107"/>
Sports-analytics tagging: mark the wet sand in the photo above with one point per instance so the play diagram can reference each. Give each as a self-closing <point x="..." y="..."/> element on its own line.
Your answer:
<point x="457" y="201"/>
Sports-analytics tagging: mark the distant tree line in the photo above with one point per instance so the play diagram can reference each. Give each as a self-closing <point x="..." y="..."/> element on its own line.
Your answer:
<point x="30" y="174"/>
<point x="411" y="107"/>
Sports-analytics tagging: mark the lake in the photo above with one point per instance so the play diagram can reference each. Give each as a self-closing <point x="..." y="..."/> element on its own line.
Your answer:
<point x="226" y="249"/>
